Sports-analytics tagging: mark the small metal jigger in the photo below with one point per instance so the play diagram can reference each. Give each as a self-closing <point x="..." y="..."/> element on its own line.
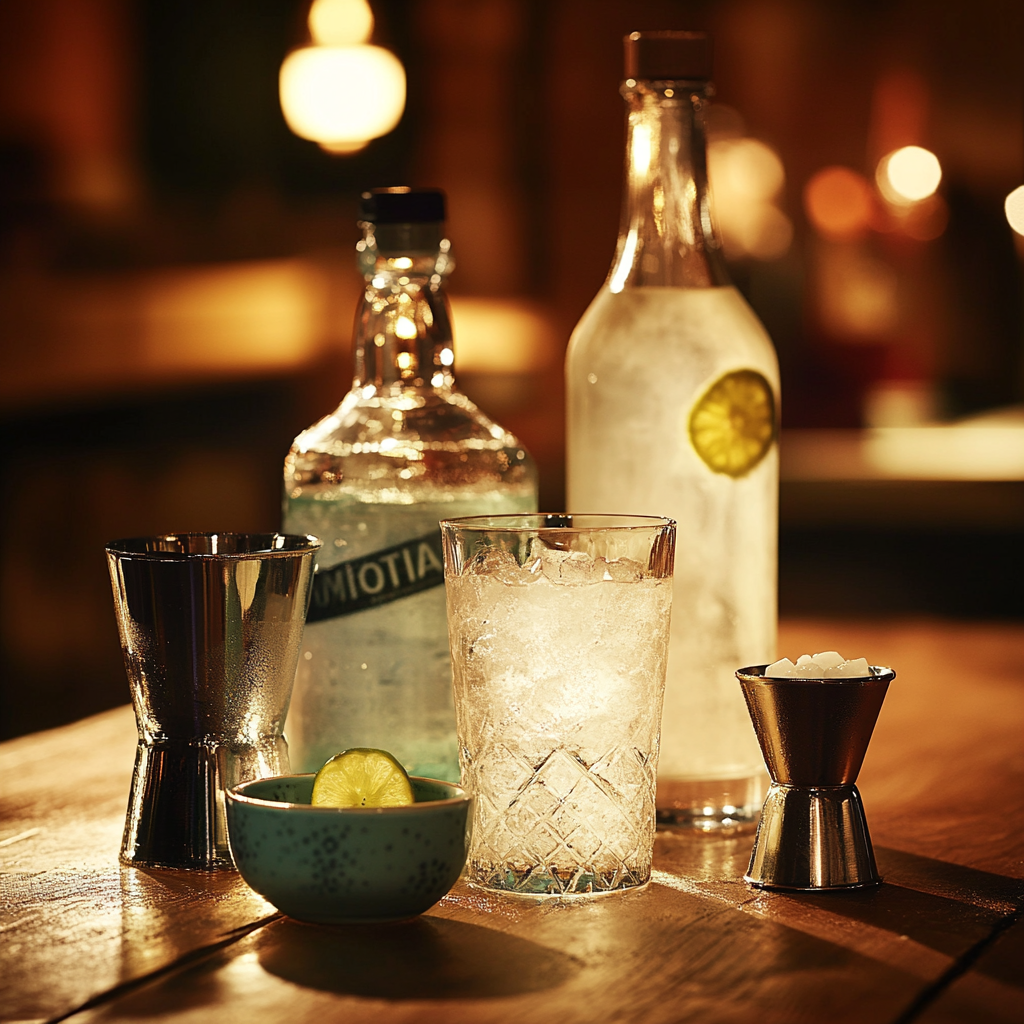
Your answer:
<point x="813" y="734"/>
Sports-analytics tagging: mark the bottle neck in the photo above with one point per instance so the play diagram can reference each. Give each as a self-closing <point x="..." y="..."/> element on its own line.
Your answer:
<point x="666" y="237"/>
<point x="403" y="333"/>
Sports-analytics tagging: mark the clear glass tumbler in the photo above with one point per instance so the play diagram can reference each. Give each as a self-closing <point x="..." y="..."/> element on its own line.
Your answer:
<point x="559" y="629"/>
<point x="210" y="627"/>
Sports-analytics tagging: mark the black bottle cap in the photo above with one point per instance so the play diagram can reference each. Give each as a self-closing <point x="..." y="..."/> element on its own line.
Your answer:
<point x="402" y="205"/>
<point x="661" y="56"/>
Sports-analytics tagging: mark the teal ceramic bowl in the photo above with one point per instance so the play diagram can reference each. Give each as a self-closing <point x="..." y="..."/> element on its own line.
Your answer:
<point x="334" y="865"/>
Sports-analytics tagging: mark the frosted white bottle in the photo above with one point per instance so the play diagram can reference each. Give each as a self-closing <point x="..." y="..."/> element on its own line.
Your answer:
<point x="673" y="390"/>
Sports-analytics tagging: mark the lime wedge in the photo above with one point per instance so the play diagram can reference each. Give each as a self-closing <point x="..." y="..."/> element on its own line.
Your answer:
<point x="362" y="777"/>
<point x="732" y="426"/>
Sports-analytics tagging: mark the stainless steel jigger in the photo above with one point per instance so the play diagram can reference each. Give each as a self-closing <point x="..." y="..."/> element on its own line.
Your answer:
<point x="813" y="734"/>
<point x="210" y="625"/>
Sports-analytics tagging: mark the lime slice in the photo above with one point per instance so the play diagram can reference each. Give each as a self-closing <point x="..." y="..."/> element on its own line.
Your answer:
<point x="732" y="426"/>
<point x="362" y="777"/>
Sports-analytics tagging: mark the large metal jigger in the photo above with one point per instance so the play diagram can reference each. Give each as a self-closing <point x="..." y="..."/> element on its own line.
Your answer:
<point x="210" y="629"/>
<point x="813" y="734"/>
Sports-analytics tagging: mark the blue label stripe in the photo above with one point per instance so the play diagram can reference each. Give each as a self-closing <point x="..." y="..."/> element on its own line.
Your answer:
<point x="378" y="578"/>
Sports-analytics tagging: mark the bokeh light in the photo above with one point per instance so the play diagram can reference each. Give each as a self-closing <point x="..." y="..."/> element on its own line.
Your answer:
<point x="838" y="203"/>
<point x="747" y="167"/>
<point x="908" y="175"/>
<point x="342" y="96"/>
<point x="857" y="293"/>
<point x="340" y="22"/>
<point x="746" y="176"/>
<point x="1014" y="207"/>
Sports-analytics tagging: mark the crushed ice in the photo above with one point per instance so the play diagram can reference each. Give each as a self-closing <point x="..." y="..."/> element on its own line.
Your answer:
<point x="567" y="568"/>
<point x="575" y="568"/>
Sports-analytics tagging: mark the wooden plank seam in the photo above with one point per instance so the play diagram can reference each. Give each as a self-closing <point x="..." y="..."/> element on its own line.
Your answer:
<point x="187" y="960"/>
<point x="959" y="967"/>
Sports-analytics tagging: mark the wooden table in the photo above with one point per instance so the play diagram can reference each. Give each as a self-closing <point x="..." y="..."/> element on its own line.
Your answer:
<point x="84" y="939"/>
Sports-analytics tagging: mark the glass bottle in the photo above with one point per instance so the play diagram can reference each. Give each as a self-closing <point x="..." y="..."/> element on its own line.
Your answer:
<point x="672" y="410"/>
<point x="404" y="450"/>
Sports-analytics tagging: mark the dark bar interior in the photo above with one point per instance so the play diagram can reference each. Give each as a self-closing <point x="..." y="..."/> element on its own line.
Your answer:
<point x="177" y="277"/>
<point x="539" y="735"/>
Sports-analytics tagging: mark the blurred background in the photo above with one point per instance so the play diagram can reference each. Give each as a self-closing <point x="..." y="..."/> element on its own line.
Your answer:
<point x="177" y="282"/>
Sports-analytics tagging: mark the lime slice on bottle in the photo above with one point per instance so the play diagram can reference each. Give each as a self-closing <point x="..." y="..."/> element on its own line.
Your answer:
<point x="362" y="777"/>
<point x="732" y="426"/>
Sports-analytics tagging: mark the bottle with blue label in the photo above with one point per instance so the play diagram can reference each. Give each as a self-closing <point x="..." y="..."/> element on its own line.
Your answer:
<point x="404" y="450"/>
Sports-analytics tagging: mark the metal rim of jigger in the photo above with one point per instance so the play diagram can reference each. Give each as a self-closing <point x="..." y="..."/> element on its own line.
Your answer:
<point x="835" y="887"/>
<point x="272" y="545"/>
<point x="838" y="887"/>
<point x="215" y="867"/>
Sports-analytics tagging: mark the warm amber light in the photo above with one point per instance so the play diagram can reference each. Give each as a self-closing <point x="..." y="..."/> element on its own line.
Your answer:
<point x="342" y="96"/>
<point x="745" y="177"/>
<point x="340" y="22"/>
<point x="500" y="336"/>
<point x="406" y="328"/>
<point x="908" y="175"/>
<point x="856" y="293"/>
<point x="640" y="154"/>
<point x="1014" y="207"/>
<point x="838" y="202"/>
<point x="747" y="167"/>
<point x="231" y="316"/>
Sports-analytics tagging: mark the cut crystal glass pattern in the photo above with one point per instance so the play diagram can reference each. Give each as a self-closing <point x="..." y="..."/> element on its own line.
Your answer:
<point x="567" y="827"/>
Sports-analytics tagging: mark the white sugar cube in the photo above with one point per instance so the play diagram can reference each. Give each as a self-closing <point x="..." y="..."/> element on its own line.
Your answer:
<point x="828" y="659"/>
<point x="855" y="667"/>
<point x="826" y="665"/>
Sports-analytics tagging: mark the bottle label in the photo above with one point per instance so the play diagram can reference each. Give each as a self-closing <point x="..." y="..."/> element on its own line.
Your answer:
<point x="377" y="578"/>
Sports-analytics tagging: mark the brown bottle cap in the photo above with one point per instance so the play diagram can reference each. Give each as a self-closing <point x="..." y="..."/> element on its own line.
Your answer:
<point x="657" y="56"/>
<point x="402" y="205"/>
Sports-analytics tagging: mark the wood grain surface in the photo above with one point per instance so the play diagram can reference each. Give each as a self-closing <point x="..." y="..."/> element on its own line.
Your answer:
<point x="941" y="940"/>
